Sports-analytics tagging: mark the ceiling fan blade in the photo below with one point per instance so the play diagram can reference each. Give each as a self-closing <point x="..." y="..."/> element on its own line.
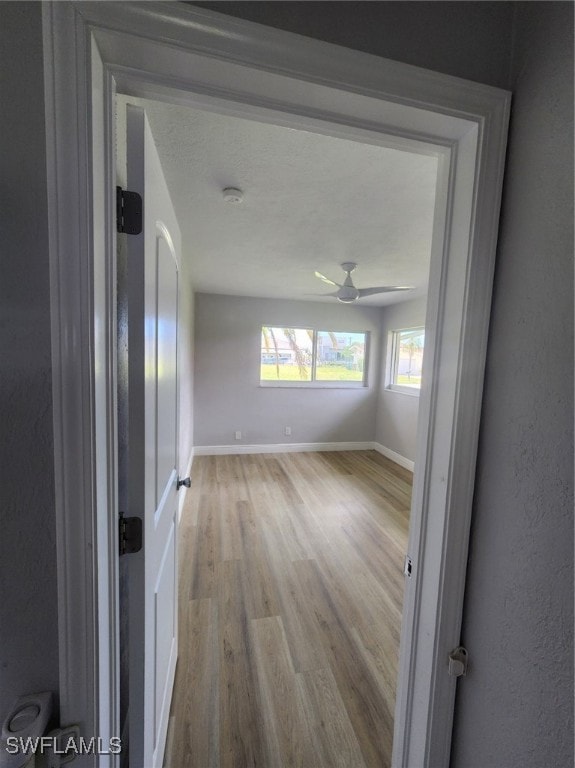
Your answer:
<point x="383" y="289"/>
<point x="326" y="279"/>
<point x="335" y="293"/>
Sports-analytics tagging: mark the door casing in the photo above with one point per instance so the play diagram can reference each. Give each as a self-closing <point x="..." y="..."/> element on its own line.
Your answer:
<point x="178" y="53"/>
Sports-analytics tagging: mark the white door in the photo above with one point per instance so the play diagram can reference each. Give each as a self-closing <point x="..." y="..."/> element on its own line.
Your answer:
<point x="153" y="258"/>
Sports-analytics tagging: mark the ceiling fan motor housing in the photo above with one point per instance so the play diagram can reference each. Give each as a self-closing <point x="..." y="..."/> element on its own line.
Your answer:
<point x="347" y="294"/>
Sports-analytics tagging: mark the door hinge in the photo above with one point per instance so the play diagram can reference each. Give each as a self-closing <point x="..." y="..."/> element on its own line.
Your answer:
<point x="128" y="211"/>
<point x="129" y="534"/>
<point x="458" y="661"/>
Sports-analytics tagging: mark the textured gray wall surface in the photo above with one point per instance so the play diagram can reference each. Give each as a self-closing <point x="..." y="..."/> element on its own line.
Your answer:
<point x="515" y="708"/>
<point x="28" y="599"/>
<point x="396" y="420"/>
<point x="228" y="396"/>
<point x="464" y="39"/>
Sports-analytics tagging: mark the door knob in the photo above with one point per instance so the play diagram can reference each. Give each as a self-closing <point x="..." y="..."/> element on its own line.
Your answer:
<point x="187" y="481"/>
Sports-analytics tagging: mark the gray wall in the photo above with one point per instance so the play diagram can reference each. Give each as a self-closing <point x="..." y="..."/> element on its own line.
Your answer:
<point x="516" y="706"/>
<point x="396" y="420"/>
<point x="28" y="600"/>
<point x="465" y="39"/>
<point x="227" y="392"/>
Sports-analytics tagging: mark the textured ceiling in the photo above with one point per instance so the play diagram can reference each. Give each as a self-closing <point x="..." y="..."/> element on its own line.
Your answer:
<point x="310" y="202"/>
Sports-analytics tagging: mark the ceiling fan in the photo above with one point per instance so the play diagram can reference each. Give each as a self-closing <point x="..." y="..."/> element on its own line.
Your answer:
<point x="347" y="292"/>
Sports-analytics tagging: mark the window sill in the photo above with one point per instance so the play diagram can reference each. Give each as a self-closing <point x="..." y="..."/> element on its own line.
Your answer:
<point x="411" y="391"/>
<point x="312" y="385"/>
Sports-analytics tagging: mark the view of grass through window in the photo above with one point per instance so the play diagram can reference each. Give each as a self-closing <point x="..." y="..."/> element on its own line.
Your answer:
<point x="309" y="355"/>
<point x="408" y="357"/>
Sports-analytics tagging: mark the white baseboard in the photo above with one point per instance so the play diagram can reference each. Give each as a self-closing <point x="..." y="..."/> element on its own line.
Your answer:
<point x="224" y="450"/>
<point x="220" y="450"/>
<point x="396" y="457"/>
<point x="187" y="473"/>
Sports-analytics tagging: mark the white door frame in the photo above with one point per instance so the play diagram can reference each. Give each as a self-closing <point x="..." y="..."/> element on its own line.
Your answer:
<point x="188" y="55"/>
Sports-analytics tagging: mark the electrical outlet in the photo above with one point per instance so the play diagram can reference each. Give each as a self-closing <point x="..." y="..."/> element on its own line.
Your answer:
<point x="287" y="431"/>
<point x="238" y="435"/>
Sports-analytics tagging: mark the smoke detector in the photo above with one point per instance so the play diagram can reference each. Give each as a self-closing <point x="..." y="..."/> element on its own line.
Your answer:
<point x="233" y="195"/>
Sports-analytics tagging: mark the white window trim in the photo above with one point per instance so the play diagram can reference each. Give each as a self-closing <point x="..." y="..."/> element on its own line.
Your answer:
<point x="392" y="363"/>
<point x="403" y="390"/>
<point x="311" y="385"/>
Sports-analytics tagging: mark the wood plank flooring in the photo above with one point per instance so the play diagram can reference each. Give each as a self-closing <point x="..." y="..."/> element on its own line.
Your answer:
<point x="291" y="591"/>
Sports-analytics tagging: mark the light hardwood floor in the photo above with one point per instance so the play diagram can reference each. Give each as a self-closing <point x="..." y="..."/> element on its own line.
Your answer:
<point x="291" y="591"/>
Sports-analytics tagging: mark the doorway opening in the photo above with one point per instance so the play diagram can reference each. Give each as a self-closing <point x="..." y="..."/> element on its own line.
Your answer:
<point x="309" y="200"/>
<point x="185" y="53"/>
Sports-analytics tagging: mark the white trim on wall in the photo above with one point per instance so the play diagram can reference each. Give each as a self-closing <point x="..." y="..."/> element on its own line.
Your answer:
<point x="394" y="456"/>
<point x="230" y="450"/>
<point x="180" y="53"/>
<point x="224" y="450"/>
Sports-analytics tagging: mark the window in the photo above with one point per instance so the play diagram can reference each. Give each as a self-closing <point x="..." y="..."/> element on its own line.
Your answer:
<point x="306" y="356"/>
<point x="406" y="360"/>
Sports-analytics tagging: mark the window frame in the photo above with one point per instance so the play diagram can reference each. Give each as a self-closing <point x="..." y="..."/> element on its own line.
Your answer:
<point x="393" y="342"/>
<point x="314" y="383"/>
